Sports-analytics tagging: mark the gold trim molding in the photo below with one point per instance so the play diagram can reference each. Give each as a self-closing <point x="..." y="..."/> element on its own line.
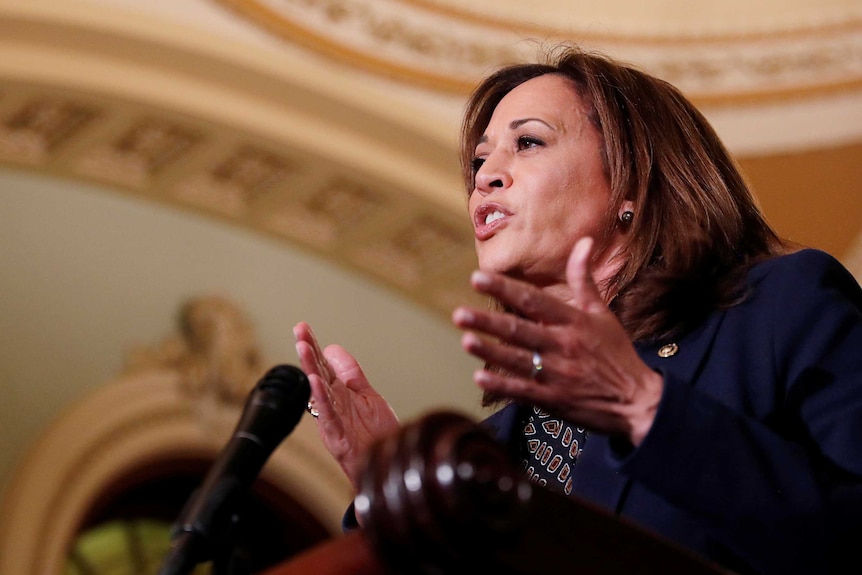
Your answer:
<point x="438" y="46"/>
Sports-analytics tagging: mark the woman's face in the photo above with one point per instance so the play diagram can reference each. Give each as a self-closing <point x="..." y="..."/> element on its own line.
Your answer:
<point x="540" y="183"/>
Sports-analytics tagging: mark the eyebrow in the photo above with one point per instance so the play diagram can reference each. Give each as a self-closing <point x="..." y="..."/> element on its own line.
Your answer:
<point x="514" y="124"/>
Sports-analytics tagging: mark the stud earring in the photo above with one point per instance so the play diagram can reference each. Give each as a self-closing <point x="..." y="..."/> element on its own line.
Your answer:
<point x="627" y="216"/>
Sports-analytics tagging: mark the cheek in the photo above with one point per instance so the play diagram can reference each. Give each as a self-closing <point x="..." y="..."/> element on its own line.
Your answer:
<point x="577" y="211"/>
<point x="471" y="205"/>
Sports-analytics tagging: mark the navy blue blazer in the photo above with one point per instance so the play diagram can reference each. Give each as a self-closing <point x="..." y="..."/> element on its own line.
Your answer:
<point x="755" y="456"/>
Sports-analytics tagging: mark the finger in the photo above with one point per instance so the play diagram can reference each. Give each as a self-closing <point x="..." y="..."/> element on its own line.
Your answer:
<point x="305" y="347"/>
<point x="309" y="362"/>
<point x="585" y="293"/>
<point x="515" y="388"/>
<point x="308" y="359"/>
<point x="504" y="326"/>
<point x="322" y="401"/>
<point x="514" y="360"/>
<point x="316" y="362"/>
<point x="302" y="332"/>
<point x="527" y="299"/>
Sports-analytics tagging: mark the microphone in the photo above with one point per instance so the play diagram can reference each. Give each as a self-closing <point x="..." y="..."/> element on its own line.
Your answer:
<point x="272" y="410"/>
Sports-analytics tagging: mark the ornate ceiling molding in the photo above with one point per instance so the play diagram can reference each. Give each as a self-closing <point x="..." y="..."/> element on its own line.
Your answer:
<point x="284" y="152"/>
<point x="442" y="46"/>
<point x="650" y="20"/>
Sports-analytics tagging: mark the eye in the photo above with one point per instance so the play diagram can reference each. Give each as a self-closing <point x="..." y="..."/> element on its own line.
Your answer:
<point x="477" y="163"/>
<point x="527" y="142"/>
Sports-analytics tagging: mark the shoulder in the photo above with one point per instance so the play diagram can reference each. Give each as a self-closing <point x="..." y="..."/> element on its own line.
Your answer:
<point x="805" y="303"/>
<point x="791" y="297"/>
<point x="803" y="259"/>
<point x="806" y="271"/>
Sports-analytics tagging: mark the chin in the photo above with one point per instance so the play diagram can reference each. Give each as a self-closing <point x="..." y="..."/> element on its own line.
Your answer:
<point x="495" y="265"/>
<point x="500" y="259"/>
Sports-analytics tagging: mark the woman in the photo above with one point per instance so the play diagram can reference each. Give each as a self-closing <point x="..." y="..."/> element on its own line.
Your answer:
<point x="656" y="347"/>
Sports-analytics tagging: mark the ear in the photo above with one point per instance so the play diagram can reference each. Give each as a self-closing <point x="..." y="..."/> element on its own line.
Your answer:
<point x="627" y="206"/>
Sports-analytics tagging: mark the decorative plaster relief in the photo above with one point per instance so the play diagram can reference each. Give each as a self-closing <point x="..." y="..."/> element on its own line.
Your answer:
<point x="449" y="50"/>
<point x="35" y="129"/>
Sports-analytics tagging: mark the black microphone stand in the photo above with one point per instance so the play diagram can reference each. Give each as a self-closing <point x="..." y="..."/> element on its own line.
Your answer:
<point x="207" y="526"/>
<point x="229" y="558"/>
<point x="207" y="531"/>
<point x="192" y="546"/>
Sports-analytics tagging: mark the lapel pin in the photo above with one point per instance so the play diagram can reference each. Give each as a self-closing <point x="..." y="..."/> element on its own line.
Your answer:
<point x="668" y="350"/>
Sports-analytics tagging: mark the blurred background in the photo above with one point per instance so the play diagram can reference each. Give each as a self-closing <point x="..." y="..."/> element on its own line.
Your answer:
<point x="181" y="181"/>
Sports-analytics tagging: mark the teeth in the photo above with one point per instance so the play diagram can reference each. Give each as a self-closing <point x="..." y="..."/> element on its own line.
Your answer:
<point x="493" y="216"/>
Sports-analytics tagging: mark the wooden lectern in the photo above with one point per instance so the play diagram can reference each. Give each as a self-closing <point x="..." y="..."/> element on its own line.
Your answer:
<point x="442" y="497"/>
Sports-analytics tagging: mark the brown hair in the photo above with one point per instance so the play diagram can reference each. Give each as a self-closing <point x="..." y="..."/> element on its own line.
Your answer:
<point x="697" y="227"/>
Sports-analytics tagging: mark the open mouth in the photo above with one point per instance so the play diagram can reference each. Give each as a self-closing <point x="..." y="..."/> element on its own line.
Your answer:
<point x="488" y="218"/>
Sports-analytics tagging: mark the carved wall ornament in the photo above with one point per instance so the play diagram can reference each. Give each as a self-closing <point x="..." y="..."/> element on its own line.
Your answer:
<point x="215" y="350"/>
<point x="232" y="184"/>
<point x="156" y="143"/>
<point x="251" y="170"/>
<point x="140" y="151"/>
<point x="337" y="211"/>
<point x="420" y="252"/>
<point x="34" y="130"/>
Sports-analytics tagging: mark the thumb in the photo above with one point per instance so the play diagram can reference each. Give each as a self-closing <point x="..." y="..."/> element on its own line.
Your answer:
<point x="585" y="294"/>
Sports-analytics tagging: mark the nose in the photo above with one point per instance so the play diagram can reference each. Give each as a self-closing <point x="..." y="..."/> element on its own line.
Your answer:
<point x="492" y="174"/>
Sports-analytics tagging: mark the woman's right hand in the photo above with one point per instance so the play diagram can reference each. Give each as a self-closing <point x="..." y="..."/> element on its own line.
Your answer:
<point x="352" y="415"/>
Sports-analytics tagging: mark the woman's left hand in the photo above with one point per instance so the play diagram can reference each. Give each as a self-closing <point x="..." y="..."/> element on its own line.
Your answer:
<point x="590" y="374"/>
